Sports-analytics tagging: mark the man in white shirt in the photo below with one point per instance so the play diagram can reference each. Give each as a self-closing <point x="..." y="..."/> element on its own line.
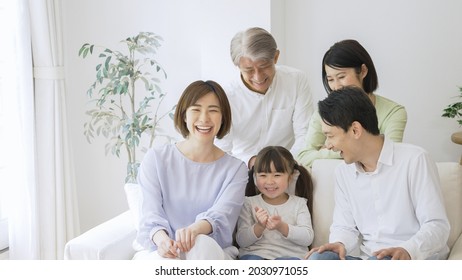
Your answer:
<point x="388" y="202"/>
<point x="271" y="104"/>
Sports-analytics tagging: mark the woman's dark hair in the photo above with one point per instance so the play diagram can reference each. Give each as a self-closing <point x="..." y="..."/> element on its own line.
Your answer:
<point x="350" y="54"/>
<point x="283" y="162"/>
<point x="194" y="92"/>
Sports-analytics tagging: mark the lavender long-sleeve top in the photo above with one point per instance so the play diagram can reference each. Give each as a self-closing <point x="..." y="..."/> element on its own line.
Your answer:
<point x="177" y="192"/>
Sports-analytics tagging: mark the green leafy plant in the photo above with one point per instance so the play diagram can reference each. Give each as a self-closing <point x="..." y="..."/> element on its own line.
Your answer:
<point x="454" y="110"/>
<point x="127" y="97"/>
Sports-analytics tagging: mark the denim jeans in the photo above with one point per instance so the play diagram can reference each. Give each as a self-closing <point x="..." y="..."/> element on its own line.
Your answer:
<point x="255" y="257"/>
<point x="329" y="255"/>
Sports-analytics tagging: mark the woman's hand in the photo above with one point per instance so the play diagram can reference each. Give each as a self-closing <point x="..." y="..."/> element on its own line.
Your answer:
<point x="166" y="246"/>
<point x="168" y="249"/>
<point x="185" y="238"/>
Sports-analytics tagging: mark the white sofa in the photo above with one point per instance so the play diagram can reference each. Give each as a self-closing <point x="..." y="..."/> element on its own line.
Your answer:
<point x="114" y="239"/>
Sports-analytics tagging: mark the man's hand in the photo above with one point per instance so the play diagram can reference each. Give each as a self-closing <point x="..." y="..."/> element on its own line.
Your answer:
<point x="396" y="253"/>
<point x="336" y="247"/>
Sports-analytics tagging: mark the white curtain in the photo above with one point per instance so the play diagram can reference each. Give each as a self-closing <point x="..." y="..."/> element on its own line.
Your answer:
<point x="20" y="155"/>
<point x="48" y="217"/>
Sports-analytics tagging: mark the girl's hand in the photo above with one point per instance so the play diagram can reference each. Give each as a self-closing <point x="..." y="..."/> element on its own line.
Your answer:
<point x="262" y="216"/>
<point x="274" y="222"/>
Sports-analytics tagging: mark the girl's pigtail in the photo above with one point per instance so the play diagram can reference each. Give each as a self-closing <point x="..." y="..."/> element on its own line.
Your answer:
<point x="304" y="186"/>
<point x="251" y="188"/>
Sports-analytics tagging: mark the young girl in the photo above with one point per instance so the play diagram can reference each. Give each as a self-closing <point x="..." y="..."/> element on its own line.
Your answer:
<point x="275" y="223"/>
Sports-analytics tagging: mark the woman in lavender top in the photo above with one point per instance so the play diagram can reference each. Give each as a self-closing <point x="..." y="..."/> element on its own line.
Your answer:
<point x="192" y="190"/>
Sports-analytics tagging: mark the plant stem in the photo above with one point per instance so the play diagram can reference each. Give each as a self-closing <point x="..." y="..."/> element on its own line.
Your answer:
<point x="155" y="121"/>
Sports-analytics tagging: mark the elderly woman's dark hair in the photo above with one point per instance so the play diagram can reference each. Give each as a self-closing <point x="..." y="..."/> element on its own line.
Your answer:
<point x="194" y="92"/>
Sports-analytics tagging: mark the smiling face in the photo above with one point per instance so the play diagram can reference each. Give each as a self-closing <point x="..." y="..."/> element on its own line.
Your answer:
<point x="338" y="78"/>
<point x="259" y="74"/>
<point x="203" y="118"/>
<point x="273" y="185"/>
<point x="340" y="141"/>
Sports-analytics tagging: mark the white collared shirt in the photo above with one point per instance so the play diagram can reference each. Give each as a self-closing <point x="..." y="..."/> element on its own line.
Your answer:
<point x="279" y="117"/>
<point x="398" y="205"/>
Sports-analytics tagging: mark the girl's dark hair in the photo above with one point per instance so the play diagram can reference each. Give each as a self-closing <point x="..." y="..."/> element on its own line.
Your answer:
<point x="350" y="54"/>
<point x="283" y="162"/>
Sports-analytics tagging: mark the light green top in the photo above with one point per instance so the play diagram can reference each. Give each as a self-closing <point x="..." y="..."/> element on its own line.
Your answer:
<point x="392" y="119"/>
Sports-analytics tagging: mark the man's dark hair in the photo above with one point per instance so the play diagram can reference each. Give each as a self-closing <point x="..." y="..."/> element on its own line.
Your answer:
<point x="349" y="104"/>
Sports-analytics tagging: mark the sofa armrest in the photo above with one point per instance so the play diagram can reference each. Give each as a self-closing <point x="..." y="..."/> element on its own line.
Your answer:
<point x="111" y="240"/>
<point x="456" y="250"/>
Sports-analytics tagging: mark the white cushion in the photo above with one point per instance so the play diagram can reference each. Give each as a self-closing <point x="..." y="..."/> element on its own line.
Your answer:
<point x="451" y="186"/>
<point x="133" y="193"/>
<point x="111" y="240"/>
<point x="322" y="173"/>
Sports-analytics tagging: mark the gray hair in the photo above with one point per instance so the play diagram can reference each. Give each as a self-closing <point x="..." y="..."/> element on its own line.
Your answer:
<point x="255" y="43"/>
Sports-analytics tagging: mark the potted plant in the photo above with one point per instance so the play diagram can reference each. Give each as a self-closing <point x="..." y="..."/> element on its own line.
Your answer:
<point x="454" y="111"/>
<point x="127" y="97"/>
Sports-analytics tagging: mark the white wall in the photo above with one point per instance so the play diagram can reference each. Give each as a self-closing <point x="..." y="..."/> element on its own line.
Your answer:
<point x="196" y="46"/>
<point x="415" y="46"/>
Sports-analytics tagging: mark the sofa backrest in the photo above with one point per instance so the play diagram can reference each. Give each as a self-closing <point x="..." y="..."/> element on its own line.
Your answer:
<point x="323" y="201"/>
<point x="322" y="173"/>
<point x="451" y="186"/>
